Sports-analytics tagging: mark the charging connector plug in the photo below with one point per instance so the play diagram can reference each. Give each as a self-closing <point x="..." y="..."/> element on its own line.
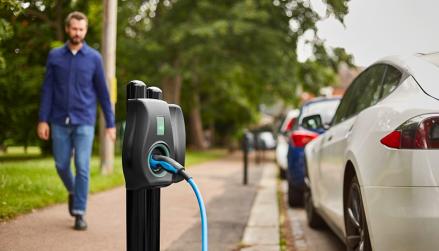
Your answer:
<point x="169" y="164"/>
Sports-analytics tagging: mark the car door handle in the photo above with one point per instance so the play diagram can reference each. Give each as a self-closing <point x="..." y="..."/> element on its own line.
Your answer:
<point x="349" y="132"/>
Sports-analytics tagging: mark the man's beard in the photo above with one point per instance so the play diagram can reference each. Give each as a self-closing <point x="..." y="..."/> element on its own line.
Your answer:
<point x="75" y="40"/>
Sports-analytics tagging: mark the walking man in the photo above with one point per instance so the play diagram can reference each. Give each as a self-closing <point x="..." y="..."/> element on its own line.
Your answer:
<point x="73" y="83"/>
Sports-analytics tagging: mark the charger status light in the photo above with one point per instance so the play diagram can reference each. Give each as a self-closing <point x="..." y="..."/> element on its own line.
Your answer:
<point x="160" y="126"/>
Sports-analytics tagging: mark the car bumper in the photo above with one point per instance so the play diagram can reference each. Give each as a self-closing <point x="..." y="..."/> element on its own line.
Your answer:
<point x="281" y="153"/>
<point x="402" y="218"/>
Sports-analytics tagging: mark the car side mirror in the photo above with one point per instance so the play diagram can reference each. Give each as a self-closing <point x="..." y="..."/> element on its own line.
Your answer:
<point x="314" y="123"/>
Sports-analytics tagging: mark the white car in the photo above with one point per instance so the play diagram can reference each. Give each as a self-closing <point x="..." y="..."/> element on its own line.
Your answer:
<point x="373" y="176"/>
<point x="266" y="140"/>
<point x="282" y="140"/>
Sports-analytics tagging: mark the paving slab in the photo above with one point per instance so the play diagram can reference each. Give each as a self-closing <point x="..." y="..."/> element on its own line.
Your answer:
<point x="264" y="215"/>
<point x="262" y="248"/>
<point x="262" y="231"/>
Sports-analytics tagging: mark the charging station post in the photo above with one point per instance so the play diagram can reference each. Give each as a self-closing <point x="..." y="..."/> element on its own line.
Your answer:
<point x="143" y="219"/>
<point x="153" y="127"/>
<point x="143" y="204"/>
<point x="153" y="154"/>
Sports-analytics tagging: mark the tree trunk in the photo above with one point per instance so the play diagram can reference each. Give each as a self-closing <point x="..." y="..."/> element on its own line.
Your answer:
<point x="26" y="144"/>
<point x="196" y="125"/>
<point x="59" y="21"/>
<point x="171" y="87"/>
<point x="3" y="148"/>
<point x="109" y="57"/>
<point x="211" y="134"/>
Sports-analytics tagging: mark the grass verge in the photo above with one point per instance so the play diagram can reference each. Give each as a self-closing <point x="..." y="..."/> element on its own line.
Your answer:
<point x="30" y="184"/>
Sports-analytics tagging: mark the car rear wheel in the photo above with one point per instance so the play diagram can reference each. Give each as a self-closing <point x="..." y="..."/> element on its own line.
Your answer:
<point x="295" y="195"/>
<point x="314" y="219"/>
<point x="282" y="173"/>
<point x="357" y="235"/>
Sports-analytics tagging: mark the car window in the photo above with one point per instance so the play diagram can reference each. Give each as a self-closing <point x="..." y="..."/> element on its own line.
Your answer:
<point x="364" y="91"/>
<point x="343" y="108"/>
<point x="391" y="80"/>
<point x="325" y="108"/>
<point x="313" y="122"/>
<point x="368" y="90"/>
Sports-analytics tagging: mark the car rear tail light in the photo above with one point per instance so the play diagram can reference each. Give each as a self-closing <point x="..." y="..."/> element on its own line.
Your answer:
<point x="290" y="124"/>
<point x="301" y="138"/>
<point x="421" y="132"/>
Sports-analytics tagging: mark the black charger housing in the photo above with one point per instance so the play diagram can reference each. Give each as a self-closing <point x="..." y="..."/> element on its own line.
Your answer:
<point x="152" y="127"/>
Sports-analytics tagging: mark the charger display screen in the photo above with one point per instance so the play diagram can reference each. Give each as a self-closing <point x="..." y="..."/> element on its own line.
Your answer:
<point x="160" y="126"/>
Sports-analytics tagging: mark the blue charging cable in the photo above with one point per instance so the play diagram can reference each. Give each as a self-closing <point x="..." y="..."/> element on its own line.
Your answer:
<point x="173" y="166"/>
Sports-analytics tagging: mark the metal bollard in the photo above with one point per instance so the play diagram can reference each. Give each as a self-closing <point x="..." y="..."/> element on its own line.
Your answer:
<point x="247" y="143"/>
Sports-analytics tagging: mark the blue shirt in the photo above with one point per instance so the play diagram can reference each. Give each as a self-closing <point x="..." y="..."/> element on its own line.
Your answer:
<point x="72" y="86"/>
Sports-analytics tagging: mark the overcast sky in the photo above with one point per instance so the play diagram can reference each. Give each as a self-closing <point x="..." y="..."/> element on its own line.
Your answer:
<point x="377" y="28"/>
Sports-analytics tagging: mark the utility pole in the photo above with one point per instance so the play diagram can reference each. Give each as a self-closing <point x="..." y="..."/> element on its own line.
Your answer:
<point x="109" y="57"/>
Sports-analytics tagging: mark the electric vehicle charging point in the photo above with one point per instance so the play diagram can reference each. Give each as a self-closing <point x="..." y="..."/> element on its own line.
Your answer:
<point x="153" y="157"/>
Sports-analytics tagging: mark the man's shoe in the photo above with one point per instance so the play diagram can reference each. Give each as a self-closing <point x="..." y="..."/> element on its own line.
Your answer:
<point x="80" y="223"/>
<point x="70" y="199"/>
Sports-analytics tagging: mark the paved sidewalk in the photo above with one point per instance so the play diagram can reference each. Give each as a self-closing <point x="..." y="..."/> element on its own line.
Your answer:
<point x="262" y="231"/>
<point x="228" y="203"/>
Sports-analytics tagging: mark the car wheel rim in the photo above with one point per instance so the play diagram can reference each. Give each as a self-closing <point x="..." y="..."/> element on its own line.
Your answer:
<point x="355" y="223"/>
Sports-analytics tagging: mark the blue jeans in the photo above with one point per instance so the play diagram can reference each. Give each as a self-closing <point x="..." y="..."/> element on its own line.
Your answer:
<point x="74" y="140"/>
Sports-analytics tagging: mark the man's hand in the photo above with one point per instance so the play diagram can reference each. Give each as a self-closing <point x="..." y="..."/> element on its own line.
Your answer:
<point x="43" y="130"/>
<point x="111" y="132"/>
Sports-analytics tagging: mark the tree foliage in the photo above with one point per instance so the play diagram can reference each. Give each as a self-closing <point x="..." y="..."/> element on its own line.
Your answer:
<point x="7" y="7"/>
<point x="224" y="58"/>
<point x="218" y="59"/>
